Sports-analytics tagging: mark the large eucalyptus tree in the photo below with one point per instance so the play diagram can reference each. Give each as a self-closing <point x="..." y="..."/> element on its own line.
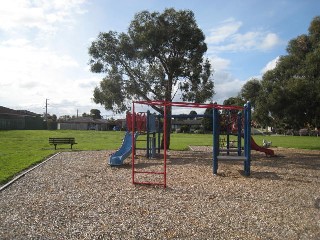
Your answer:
<point x="161" y="52"/>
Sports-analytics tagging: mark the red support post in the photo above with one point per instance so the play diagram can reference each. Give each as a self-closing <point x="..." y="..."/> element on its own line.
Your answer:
<point x="133" y="141"/>
<point x="165" y="145"/>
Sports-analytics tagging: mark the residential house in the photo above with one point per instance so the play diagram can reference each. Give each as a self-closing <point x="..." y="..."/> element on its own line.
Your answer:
<point x="11" y="119"/>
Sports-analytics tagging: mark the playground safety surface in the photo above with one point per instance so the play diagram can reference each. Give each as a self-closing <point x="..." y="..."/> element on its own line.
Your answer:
<point x="76" y="195"/>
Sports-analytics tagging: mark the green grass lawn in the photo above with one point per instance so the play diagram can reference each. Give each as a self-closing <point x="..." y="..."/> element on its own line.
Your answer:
<point x="181" y="141"/>
<point x="303" y="142"/>
<point x="21" y="149"/>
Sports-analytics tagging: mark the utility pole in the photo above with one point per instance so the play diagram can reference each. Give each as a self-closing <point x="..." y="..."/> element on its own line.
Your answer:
<point x="46" y="117"/>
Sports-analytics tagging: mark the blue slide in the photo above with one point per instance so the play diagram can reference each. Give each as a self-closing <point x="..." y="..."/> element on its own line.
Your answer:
<point x="117" y="158"/>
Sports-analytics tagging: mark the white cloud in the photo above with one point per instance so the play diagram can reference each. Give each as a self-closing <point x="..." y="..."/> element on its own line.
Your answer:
<point x="17" y="42"/>
<point x="226" y="86"/>
<point x="269" y="41"/>
<point x="270" y="65"/>
<point x="31" y="74"/>
<point x="41" y="15"/>
<point x="225" y="30"/>
<point x="32" y="70"/>
<point x="228" y="37"/>
<point x="219" y="63"/>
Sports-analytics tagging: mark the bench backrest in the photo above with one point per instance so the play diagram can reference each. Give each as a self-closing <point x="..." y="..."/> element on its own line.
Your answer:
<point x="61" y="140"/>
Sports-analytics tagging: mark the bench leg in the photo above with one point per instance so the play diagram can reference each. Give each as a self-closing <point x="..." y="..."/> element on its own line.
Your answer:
<point x="55" y="146"/>
<point x="71" y="146"/>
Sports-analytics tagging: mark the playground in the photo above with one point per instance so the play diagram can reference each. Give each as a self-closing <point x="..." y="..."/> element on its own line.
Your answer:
<point x="226" y="191"/>
<point x="228" y="120"/>
<point x="76" y="195"/>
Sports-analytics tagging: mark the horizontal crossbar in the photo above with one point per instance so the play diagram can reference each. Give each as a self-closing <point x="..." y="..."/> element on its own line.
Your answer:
<point x="186" y="104"/>
<point x="149" y="183"/>
<point x="149" y="172"/>
<point x="232" y="157"/>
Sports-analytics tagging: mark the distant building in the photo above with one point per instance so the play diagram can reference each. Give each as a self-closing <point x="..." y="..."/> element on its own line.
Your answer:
<point x="191" y="123"/>
<point x="11" y="119"/>
<point x="88" y="123"/>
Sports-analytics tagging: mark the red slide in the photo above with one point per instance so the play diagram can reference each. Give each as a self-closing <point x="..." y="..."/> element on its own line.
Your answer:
<point x="267" y="151"/>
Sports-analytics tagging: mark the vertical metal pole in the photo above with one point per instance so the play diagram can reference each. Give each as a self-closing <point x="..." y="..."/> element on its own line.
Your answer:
<point x="228" y="119"/>
<point x="148" y="136"/>
<point x="248" y="123"/>
<point x="215" y="150"/>
<point x="153" y="145"/>
<point x="159" y="133"/>
<point x="246" y="138"/>
<point x="165" y="144"/>
<point x="46" y="117"/>
<point x="133" y="141"/>
<point x="239" y="132"/>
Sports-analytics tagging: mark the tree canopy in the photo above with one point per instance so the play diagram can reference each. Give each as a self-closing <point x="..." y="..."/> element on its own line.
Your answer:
<point x="289" y="95"/>
<point x="159" y="53"/>
<point x="95" y="113"/>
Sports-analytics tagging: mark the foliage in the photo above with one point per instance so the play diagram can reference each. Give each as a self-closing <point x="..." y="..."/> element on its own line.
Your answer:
<point x="95" y="113"/>
<point x="234" y="101"/>
<point x="207" y="122"/>
<point x="291" y="91"/>
<point x="287" y="96"/>
<point x="193" y="114"/>
<point x="52" y="117"/>
<point x="185" y="128"/>
<point x="251" y="91"/>
<point x="159" y="52"/>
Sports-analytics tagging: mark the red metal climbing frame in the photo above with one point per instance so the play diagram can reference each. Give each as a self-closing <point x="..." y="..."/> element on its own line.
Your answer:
<point x="164" y="104"/>
<point x="140" y="122"/>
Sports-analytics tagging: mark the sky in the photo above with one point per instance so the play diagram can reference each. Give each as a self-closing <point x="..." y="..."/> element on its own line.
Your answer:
<point x="44" y="45"/>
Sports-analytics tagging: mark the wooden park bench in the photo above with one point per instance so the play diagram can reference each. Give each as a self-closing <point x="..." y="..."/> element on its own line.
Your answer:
<point x="56" y="141"/>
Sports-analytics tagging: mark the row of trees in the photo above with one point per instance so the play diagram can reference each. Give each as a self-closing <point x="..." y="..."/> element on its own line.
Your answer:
<point x="289" y="95"/>
<point x="94" y="113"/>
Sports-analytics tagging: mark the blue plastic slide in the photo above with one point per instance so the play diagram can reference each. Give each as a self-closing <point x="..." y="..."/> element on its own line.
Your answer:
<point x="117" y="158"/>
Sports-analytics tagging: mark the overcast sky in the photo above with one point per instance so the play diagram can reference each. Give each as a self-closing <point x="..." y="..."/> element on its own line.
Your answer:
<point x="44" y="44"/>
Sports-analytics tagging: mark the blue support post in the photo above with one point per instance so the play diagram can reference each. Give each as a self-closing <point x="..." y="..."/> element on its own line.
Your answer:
<point x="153" y="148"/>
<point x="215" y="150"/>
<point x="247" y="137"/>
<point x="228" y="117"/>
<point x="148" y="135"/>
<point x="239" y="126"/>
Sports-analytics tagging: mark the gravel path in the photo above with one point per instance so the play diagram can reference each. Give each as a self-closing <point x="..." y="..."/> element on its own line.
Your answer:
<point x="76" y="195"/>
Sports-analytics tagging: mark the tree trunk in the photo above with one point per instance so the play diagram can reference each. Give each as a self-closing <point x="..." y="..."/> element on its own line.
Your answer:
<point x="168" y="98"/>
<point x="168" y="129"/>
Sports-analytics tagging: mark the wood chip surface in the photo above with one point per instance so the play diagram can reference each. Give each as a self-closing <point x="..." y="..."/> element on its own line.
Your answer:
<point x="76" y="195"/>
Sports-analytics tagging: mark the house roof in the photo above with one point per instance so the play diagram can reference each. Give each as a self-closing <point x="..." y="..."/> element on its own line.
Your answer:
<point x="88" y="120"/>
<point x="186" y="121"/>
<point x="12" y="112"/>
